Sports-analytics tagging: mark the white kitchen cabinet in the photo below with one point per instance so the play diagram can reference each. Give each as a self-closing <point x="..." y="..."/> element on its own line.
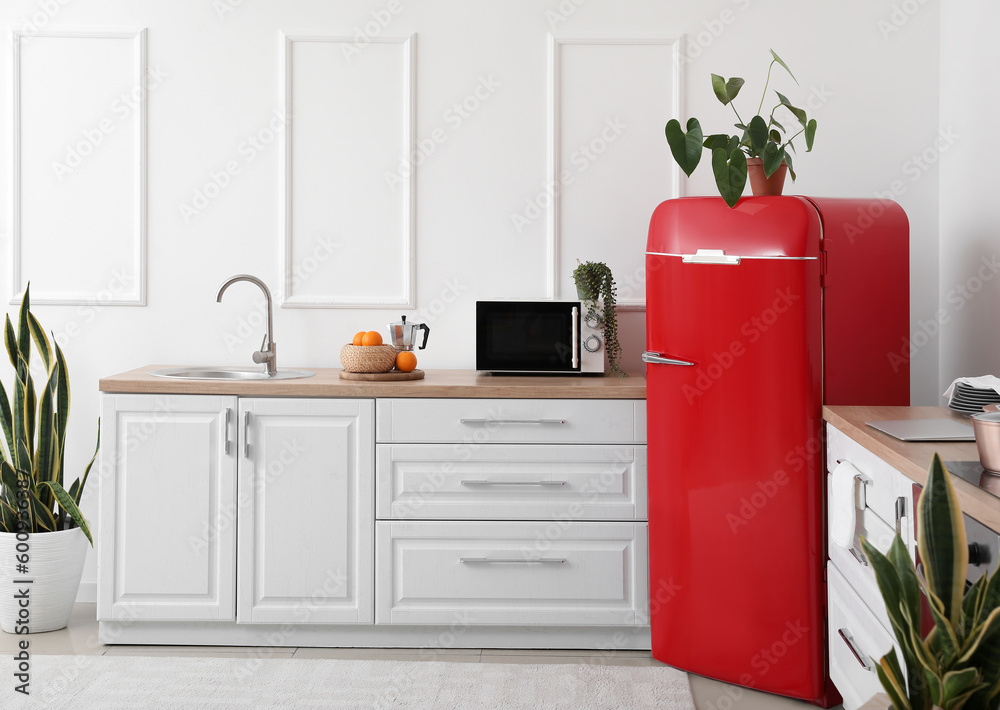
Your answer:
<point x="306" y="522"/>
<point x="512" y="573"/>
<point x="167" y="518"/>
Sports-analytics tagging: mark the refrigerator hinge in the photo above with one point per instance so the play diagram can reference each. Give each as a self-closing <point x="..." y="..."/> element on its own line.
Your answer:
<point x="822" y="268"/>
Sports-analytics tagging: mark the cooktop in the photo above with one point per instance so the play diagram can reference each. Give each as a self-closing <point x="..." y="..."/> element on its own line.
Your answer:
<point x="974" y="473"/>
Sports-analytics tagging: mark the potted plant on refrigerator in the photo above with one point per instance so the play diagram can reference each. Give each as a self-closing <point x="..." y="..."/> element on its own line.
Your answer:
<point x="957" y="664"/>
<point x="595" y="285"/>
<point x="43" y="534"/>
<point x="761" y="148"/>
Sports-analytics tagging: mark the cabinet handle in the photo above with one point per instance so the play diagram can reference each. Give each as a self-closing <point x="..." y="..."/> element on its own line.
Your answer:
<point x="512" y="421"/>
<point x="861" y="560"/>
<point x="512" y="560"/>
<point x="246" y="435"/>
<point x="470" y="482"/>
<point x="900" y="514"/>
<point x="229" y="414"/>
<point x="849" y="640"/>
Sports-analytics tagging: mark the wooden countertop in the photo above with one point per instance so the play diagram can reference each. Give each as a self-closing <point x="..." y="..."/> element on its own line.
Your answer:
<point x="436" y="383"/>
<point x="913" y="459"/>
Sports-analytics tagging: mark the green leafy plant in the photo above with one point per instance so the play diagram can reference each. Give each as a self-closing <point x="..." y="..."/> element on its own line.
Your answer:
<point x="595" y="282"/>
<point x="32" y="497"/>
<point x="761" y="138"/>
<point x="957" y="665"/>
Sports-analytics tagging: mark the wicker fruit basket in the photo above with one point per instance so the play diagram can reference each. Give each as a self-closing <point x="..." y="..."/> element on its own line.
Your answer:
<point x="367" y="358"/>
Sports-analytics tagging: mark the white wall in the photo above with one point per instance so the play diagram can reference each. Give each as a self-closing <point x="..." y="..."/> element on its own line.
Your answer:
<point x="970" y="235"/>
<point x="874" y="95"/>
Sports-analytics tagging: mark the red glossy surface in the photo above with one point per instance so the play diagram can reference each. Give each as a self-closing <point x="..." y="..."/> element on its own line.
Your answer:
<point x="866" y="305"/>
<point x="735" y="454"/>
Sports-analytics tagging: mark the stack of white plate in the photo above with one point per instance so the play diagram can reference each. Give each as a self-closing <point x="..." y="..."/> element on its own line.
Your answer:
<point x="970" y="400"/>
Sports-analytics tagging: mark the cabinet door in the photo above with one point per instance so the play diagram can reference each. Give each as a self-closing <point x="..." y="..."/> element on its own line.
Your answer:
<point x="167" y="520"/>
<point x="306" y="511"/>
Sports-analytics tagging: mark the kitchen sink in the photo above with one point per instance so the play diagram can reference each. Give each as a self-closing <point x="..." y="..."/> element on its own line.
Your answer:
<point x="228" y="373"/>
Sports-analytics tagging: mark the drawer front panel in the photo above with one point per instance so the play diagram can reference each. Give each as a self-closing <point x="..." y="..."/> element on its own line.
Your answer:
<point x="475" y="422"/>
<point x="887" y="484"/>
<point x="536" y="482"/>
<point x="511" y="574"/>
<point x="855" y="639"/>
<point x="854" y="565"/>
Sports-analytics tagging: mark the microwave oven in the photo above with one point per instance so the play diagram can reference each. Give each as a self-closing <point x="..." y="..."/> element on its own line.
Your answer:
<point x="538" y="337"/>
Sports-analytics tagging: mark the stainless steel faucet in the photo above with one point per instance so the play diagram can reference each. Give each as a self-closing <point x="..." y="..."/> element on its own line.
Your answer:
<point x="268" y="350"/>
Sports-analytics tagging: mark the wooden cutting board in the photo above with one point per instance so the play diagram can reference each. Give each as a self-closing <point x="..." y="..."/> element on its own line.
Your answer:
<point x="391" y="376"/>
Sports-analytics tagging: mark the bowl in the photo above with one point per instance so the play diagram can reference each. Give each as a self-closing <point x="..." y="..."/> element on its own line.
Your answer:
<point x="986" y="427"/>
<point x="367" y="358"/>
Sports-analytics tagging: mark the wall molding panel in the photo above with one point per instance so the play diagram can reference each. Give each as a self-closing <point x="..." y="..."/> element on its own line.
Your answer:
<point x="72" y="172"/>
<point x="344" y="178"/>
<point x="581" y="177"/>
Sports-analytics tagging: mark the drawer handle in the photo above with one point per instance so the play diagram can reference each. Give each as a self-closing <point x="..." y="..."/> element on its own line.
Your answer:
<point x="512" y="421"/>
<point x="849" y="640"/>
<point x="512" y="560"/>
<point x="229" y="415"/>
<point x="861" y="560"/>
<point x="900" y="514"/>
<point x="469" y="482"/>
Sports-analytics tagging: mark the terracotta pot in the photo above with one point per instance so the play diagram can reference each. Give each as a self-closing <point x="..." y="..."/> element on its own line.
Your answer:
<point x="761" y="185"/>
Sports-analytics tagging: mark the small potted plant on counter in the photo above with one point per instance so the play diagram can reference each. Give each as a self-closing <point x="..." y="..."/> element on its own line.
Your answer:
<point x="957" y="664"/>
<point x="43" y="534"/>
<point x="761" y="148"/>
<point x="595" y="285"/>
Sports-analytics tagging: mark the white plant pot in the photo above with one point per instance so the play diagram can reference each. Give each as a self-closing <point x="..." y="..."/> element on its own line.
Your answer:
<point x="55" y="566"/>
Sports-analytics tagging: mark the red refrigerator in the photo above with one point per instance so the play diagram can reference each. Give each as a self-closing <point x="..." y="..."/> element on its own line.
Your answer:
<point x="755" y="317"/>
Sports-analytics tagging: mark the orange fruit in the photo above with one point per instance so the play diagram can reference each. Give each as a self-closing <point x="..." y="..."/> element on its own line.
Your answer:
<point x="406" y="361"/>
<point x="357" y="337"/>
<point x="371" y="338"/>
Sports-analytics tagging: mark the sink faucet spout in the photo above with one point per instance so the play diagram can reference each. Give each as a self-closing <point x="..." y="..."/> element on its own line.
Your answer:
<point x="267" y="355"/>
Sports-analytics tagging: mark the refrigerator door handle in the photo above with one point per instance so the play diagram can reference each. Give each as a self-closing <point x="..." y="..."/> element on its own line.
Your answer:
<point x="660" y="359"/>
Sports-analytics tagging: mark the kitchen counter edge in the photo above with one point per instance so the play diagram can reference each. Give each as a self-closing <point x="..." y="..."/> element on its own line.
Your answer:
<point x="913" y="459"/>
<point x="436" y="383"/>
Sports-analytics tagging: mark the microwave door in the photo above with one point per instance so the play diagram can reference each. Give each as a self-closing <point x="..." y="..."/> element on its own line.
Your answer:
<point x="527" y="337"/>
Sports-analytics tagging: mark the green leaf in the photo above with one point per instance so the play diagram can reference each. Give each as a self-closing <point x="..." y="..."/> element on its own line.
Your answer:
<point x="778" y="60"/>
<point x="941" y="539"/>
<point x="724" y="90"/>
<point x="41" y="341"/>
<point x="773" y="122"/>
<point x="685" y="147"/>
<point x="774" y="136"/>
<point x="890" y="675"/>
<point x="10" y="340"/>
<point x="62" y="412"/>
<point x="8" y="517"/>
<point x="67" y="503"/>
<point x="45" y="520"/>
<point x="716" y="140"/>
<point x="810" y="134"/>
<point x="772" y="157"/>
<point x="987" y="633"/>
<point x="730" y="174"/>
<point x="797" y="112"/>
<point x="24" y="336"/>
<point x="757" y="131"/>
<point x="6" y="421"/>
<point x="933" y="684"/>
<point x="957" y="683"/>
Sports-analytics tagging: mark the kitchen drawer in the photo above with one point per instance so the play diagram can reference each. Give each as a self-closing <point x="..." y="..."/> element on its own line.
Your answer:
<point x="475" y="422"/>
<point x="511" y="482"/>
<point x="856" y="569"/>
<point x="511" y="574"/>
<point x="853" y="668"/>
<point x="887" y="484"/>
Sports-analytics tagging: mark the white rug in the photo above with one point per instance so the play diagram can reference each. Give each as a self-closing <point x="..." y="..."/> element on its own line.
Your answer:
<point x="137" y="683"/>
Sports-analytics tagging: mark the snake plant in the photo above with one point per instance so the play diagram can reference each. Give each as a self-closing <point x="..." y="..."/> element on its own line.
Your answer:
<point x="957" y="664"/>
<point x="32" y="497"/>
